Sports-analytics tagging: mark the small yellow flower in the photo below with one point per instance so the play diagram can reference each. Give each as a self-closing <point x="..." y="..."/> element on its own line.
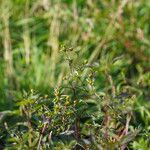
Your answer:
<point x="75" y="102"/>
<point x="67" y="100"/>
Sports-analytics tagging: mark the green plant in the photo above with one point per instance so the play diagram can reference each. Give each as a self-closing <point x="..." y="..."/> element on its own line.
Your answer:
<point x="77" y="115"/>
<point x="112" y="37"/>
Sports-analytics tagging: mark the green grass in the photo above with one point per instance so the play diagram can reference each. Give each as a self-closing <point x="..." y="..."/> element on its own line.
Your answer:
<point x="110" y="35"/>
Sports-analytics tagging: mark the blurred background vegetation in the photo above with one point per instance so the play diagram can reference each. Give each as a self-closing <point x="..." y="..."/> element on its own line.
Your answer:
<point x="112" y="33"/>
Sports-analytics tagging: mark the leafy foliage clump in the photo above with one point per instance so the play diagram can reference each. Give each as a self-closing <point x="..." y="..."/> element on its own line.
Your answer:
<point x="75" y="116"/>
